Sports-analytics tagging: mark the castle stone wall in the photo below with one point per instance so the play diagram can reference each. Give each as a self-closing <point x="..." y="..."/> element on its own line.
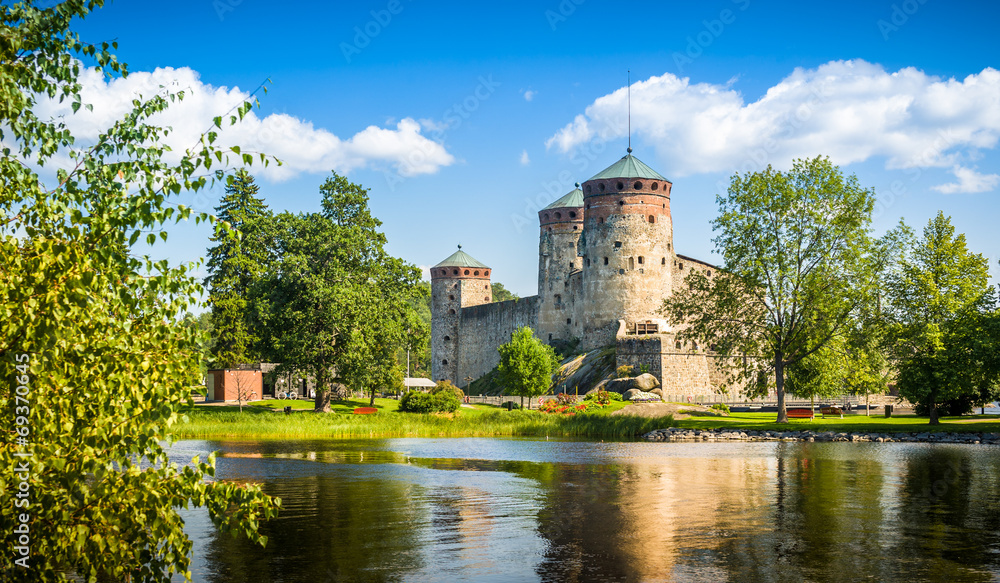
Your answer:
<point x="484" y="328"/>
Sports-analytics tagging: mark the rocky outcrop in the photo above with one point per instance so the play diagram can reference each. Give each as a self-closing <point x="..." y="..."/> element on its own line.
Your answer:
<point x="724" y="434"/>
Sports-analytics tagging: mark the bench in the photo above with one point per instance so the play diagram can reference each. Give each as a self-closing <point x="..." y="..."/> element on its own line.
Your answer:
<point x="832" y="411"/>
<point x="800" y="414"/>
<point x="365" y="410"/>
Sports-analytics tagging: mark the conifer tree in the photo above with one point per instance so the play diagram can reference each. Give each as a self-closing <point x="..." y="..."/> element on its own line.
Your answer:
<point x="234" y="263"/>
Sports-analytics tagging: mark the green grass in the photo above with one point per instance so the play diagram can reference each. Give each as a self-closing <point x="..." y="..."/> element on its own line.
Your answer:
<point x="856" y="423"/>
<point x="480" y="420"/>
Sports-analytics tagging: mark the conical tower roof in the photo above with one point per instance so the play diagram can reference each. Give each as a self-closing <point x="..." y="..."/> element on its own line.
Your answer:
<point x="629" y="167"/>
<point x="573" y="198"/>
<point x="461" y="259"/>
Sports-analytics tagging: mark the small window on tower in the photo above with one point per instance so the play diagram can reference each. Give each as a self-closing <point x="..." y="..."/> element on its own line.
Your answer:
<point x="654" y="186"/>
<point x="600" y="220"/>
<point x="447" y="338"/>
<point x="569" y="320"/>
<point x="681" y="267"/>
<point x="618" y="244"/>
<point x="663" y="261"/>
<point x="558" y="299"/>
<point x="677" y="345"/>
<point x="476" y="272"/>
<point x="652" y="219"/>
<point x="605" y="260"/>
<point x="572" y="214"/>
<point x="451" y="298"/>
<point x="586" y="262"/>
<point x="600" y="187"/>
<point x="620" y="185"/>
<point x="558" y="216"/>
<point x="451" y="311"/>
<point x="640" y="260"/>
<point x="466" y="272"/>
<point x="486" y="272"/>
<point x="571" y="266"/>
<point x="444" y="362"/>
<point x="637" y="185"/>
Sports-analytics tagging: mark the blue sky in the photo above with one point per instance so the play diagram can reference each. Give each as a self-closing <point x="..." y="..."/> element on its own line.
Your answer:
<point x="463" y="118"/>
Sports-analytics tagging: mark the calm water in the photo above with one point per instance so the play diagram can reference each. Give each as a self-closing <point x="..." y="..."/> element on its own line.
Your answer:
<point x="527" y="510"/>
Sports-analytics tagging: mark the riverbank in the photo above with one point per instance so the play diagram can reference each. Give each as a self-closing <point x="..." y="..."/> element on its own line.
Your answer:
<point x="474" y="421"/>
<point x="728" y="434"/>
<point x="256" y="421"/>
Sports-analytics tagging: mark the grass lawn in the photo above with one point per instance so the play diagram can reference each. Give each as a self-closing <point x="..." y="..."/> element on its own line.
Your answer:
<point x="856" y="423"/>
<point x="265" y="419"/>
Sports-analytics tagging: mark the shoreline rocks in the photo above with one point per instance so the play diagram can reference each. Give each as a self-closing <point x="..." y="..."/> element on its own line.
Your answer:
<point x="728" y="434"/>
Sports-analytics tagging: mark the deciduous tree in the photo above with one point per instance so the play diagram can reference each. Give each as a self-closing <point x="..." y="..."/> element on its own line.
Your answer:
<point x="944" y="313"/>
<point x="798" y="262"/>
<point x="335" y="303"/>
<point x="90" y="330"/>
<point x="526" y="364"/>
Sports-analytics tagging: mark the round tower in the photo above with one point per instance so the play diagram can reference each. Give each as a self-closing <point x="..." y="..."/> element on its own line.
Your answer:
<point x="627" y="248"/>
<point x="457" y="282"/>
<point x="560" y="224"/>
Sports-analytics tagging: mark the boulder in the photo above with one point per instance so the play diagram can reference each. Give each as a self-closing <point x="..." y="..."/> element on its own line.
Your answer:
<point x="657" y="392"/>
<point x="629" y="394"/>
<point x="620" y="385"/>
<point x="637" y="395"/>
<point x="645" y="382"/>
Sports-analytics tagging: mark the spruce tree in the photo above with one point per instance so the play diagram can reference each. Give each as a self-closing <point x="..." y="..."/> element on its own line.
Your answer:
<point x="234" y="263"/>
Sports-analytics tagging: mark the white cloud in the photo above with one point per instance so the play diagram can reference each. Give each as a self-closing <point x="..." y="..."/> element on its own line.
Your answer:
<point x="968" y="181"/>
<point x="848" y="110"/>
<point x="525" y="160"/>
<point x="529" y="95"/>
<point x="301" y="147"/>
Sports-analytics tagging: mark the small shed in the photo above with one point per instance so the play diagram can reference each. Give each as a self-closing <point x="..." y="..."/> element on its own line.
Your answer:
<point x="233" y="384"/>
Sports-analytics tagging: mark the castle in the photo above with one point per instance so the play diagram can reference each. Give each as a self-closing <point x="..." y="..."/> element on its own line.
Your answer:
<point x="606" y="262"/>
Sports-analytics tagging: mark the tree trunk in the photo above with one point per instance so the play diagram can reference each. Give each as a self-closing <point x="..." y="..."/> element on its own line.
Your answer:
<point x="932" y="410"/>
<point x="321" y="404"/>
<point x="371" y="402"/>
<point x="868" y="405"/>
<point x="779" y="384"/>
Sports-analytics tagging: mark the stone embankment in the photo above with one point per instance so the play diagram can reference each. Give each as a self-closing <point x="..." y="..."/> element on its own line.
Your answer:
<point x="679" y="434"/>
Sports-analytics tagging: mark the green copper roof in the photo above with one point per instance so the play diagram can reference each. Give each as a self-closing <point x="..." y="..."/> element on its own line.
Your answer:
<point x="460" y="259"/>
<point x="629" y="167"/>
<point x="573" y="198"/>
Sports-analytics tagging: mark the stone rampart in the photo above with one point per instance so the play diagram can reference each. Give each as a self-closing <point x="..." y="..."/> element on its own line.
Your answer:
<point x="484" y="328"/>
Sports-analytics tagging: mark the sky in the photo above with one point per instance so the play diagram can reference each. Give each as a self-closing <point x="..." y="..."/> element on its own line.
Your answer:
<point x="464" y="119"/>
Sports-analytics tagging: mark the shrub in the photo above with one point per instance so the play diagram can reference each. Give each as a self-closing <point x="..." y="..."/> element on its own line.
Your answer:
<point x="624" y="371"/>
<point x="603" y="397"/>
<point x="721" y="407"/>
<point x="420" y="402"/>
<point x="643" y="368"/>
<point x="446" y="387"/>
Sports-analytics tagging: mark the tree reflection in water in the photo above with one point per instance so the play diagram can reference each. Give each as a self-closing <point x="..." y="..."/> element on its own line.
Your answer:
<point x="622" y="512"/>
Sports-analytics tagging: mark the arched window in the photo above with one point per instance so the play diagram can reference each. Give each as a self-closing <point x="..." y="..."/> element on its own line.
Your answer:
<point x="487" y="272"/>
<point x="558" y="216"/>
<point x="451" y="311"/>
<point x="652" y="219"/>
<point x="476" y="272"/>
<point x="447" y="338"/>
<point x="631" y="263"/>
<point x="445" y="362"/>
<point x="654" y="186"/>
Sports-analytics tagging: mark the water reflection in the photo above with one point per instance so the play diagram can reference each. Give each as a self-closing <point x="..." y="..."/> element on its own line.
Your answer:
<point x="528" y="510"/>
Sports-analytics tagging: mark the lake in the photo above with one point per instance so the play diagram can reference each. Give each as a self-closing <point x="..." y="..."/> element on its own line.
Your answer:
<point x="467" y="509"/>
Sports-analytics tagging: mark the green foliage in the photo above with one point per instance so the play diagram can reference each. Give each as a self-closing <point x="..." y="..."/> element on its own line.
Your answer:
<point x="502" y="294"/>
<point x="603" y="397"/>
<point x="443" y="401"/>
<point x="720" y="407"/>
<point x="624" y="371"/>
<point x="944" y="313"/>
<point x="799" y="264"/>
<point x="445" y="386"/>
<point x="91" y="330"/>
<point x="526" y="364"/>
<point x="334" y="302"/>
<point x="643" y="369"/>
<point x="236" y="261"/>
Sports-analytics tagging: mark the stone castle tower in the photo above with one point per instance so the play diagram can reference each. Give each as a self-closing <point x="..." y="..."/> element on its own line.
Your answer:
<point x="559" y="266"/>
<point x="626" y="249"/>
<point x="457" y="282"/>
<point x="606" y="262"/>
